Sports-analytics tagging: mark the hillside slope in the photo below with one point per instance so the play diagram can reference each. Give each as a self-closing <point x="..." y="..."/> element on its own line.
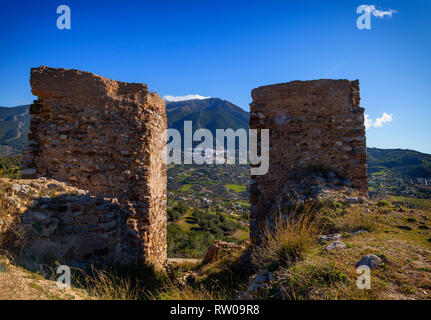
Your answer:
<point x="410" y="163"/>
<point x="14" y="127"/>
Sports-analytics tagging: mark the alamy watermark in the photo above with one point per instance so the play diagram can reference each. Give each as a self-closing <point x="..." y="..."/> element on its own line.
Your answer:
<point x="364" y="280"/>
<point x="366" y="12"/>
<point x="64" y="21"/>
<point x="64" y="278"/>
<point x="212" y="151"/>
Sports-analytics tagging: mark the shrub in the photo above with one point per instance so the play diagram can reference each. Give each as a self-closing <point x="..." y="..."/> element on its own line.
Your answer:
<point x="229" y="225"/>
<point x="190" y="244"/>
<point x="383" y="203"/>
<point x="181" y="208"/>
<point x="217" y="224"/>
<point x="173" y="215"/>
<point x="10" y="167"/>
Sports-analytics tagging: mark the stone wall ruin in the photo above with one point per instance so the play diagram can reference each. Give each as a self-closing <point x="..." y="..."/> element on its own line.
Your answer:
<point x="315" y="126"/>
<point x="106" y="137"/>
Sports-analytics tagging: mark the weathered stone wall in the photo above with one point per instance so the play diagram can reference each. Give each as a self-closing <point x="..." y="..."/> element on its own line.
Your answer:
<point x="315" y="127"/>
<point x="103" y="136"/>
<point x="78" y="229"/>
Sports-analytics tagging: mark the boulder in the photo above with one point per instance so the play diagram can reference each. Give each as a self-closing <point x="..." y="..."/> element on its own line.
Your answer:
<point x="351" y="200"/>
<point x="359" y="232"/>
<point x="218" y="249"/>
<point x="330" y="237"/>
<point x="55" y="186"/>
<point x="16" y="187"/>
<point x="25" y="190"/>
<point x="336" y="245"/>
<point x="370" y="260"/>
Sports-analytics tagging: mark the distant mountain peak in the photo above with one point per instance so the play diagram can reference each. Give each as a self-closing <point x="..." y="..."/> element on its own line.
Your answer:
<point x="169" y="98"/>
<point x="211" y="113"/>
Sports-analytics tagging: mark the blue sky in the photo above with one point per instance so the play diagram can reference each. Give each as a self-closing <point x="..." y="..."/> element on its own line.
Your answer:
<point x="226" y="48"/>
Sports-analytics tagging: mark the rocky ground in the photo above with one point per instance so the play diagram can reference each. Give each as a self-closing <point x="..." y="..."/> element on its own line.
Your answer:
<point x="394" y="242"/>
<point x="306" y="262"/>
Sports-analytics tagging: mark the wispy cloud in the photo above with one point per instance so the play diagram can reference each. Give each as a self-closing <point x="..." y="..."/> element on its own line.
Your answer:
<point x="380" y="13"/>
<point x="184" y="98"/>
<point x="383" y="119"/>
<point x="379" y="122"/>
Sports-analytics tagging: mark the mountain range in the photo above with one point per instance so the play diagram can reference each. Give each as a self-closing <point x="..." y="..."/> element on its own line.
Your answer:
<point x="216" y="113"/>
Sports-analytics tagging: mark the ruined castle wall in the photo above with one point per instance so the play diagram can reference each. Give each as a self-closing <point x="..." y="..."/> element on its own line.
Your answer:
<point x="103" y="136"/>
<point x="313" y="124"/>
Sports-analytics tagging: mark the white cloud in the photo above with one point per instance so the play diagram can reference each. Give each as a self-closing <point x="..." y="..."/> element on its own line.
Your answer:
<point x="380" y="13"/>
<point x="368" y="121"/>
<point x="378" y="123"/>
<point x="184" y="98"/>
<point x="383" y="119"/>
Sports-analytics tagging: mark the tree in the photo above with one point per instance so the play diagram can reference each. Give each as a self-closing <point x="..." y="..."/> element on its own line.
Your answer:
<point x="173" y="215"/>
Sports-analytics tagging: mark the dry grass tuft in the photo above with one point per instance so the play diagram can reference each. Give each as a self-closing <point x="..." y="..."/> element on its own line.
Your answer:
<point x="174" y="290"/>
<point x="288" y="239"/>
<point x="355" y="219"/>
<point x="105" y="285"/>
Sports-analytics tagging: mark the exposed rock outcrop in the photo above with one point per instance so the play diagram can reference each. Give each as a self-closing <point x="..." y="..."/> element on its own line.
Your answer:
<point x="219" y="249"/>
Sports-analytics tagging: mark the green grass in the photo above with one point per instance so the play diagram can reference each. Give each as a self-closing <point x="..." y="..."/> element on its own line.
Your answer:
<point x="186" y="223"/>
<point x="303" y="280"/>
<point x="244" y="204"/>
<point x="10" y="167"/>
<point x="379" y="173"/>
<point x="186" y="187"/>
<point x="412" y="203"/>
<point x="236" y="188"/>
